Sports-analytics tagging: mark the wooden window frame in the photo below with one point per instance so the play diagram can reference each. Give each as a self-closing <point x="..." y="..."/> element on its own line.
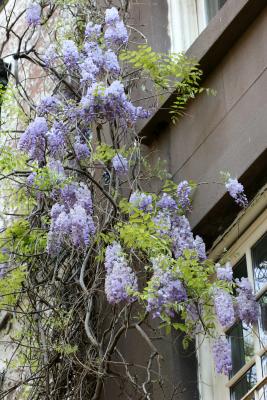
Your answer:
<point x="252" y="223"/>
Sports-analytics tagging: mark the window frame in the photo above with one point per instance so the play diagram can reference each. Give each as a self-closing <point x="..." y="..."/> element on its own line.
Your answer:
<point x="252" y="223"/>
<point x="184" y="25"/>
<point x="243" y="248"/>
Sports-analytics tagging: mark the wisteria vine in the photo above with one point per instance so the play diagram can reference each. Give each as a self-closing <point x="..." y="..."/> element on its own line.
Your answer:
<point x="96" y="246"/>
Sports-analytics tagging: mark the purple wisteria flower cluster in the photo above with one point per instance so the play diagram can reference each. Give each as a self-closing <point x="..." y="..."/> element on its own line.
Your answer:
<point x="121" y="281"/>
<point x="224" y="273"/>
<point x="33" y="139"/>
<point x="247" y="308"/>
<point x="236" y="191"/>
<point x="222" y="356"/>
<point x="184" y="192"/>
<point x="116" y="32"/>
<point x="224" y="308"/>
<point x="71" y="218"/>
<point x="166" y="290"/>
<point x="33" y="14"/>
<point x="120" y="164"/>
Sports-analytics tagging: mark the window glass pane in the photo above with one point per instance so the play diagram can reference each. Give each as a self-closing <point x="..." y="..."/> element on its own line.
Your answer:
<point x="240" y="269"/>
<point x="259" y="257"/>
<point x="244" y="384"/>
<point x="263" y="319"/>
<point x="212" y="6"/>
<point x="242" y="345"/>
<point x="264" y="364"/>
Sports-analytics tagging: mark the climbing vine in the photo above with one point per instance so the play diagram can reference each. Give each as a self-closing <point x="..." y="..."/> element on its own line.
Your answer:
<point x="88" y="252"/>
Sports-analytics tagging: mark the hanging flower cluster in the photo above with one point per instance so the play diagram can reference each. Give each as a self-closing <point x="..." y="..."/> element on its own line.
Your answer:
<point x="71" y="218"/>
<point x="246" y="302"/>
<point x="236" y="191"/>
<point x="222" y="356"/>
<point x="33" y="14"/>
<point x="165" y="290"/>
<point x="120" y="281"/>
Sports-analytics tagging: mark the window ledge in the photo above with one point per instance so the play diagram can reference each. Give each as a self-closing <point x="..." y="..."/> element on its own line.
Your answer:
<point x="208" y="49"/>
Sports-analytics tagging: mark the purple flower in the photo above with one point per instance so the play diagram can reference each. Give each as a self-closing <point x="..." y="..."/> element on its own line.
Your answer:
<point x="111" y="63"/>
<point x="224" y="308"/>
<point x="200" y="248"/>
<point x="162" y="222"/>
<point x="181" y="236"/>
<point x="81" y="149"/>
<point x="165" y="290"/>
<point x="116" y="34"/>
<point x="30" y="179"/>
<point x="184" y="192"/>
<point x="33" y="139"/>
<point x="111" y="16"/>
<point x="120" y="164"/>
<point x="50" y="55"/>
<point x="141" y="200"/>
<point x="236" y="191"/>
<point x="113" y="254"/>
<point x="89" y="70"/>
<point x="96" y="54"/>
<point x="71" y="221"/>
<point x="246" y="303"/>
<point x="92" y="31"/>
<point x="56" y="139"/>
<point x="48" y="104"/>
<point x="167" y="202"/>
<point x="110" y="102"/>
<point x="82" y="226"/>
<point x="222" y="356"/>
<point x="120" y="278"/>
<point x="70" y="54"/>
<point x="33" y="14"/>
<point x="225" y="273"/>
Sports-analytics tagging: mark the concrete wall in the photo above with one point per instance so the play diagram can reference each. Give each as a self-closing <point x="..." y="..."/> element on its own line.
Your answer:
<point x="226" y="132"/>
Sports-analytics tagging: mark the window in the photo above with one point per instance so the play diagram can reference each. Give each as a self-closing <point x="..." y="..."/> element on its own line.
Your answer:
<point x="248" y="346"/>
<point x="248" y="378"/>
<point x="188" y="18"/>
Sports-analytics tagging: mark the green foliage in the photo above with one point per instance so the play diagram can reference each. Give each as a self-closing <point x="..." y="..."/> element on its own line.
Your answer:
<point x="104" y="153"/>
<point x="22" y="240"/>
<point x="173" y="73"/>
<point x="66" y="349"/>
<point x="11" y="111"/>
<point x="47" y="179"/>
<point x="11" y="159"/>
<point x="11" y="285"/>
<point x="140" y="232"/>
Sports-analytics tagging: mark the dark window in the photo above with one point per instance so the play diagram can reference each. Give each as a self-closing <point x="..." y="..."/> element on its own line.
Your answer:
<point x="242" y="346"/>
<point x="264" y="364"/>
<point x="259" y="258"/>
<point x="263" y="319"/>
<point x="244" y="384"/>
<point x="240" y="269"/>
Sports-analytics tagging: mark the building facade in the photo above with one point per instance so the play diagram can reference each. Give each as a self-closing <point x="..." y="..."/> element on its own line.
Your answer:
<point x="217" y="133"/>
<point x="226" y="131"/>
